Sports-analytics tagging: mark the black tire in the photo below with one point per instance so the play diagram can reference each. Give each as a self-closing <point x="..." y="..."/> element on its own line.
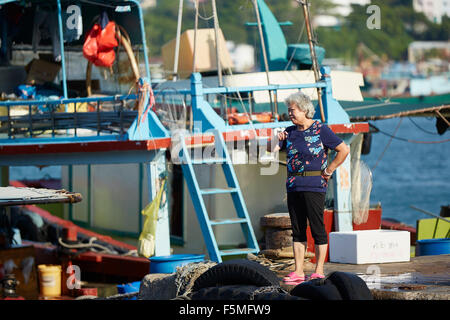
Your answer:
<point x="350" y="286"/>
<point x="317" y="289"/>
<point x="231" y="292"/>
<point x="236" y="272"/>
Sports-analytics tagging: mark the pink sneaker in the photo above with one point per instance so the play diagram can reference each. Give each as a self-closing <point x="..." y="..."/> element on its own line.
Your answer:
<point x="316" y="276"/>
<point x="293" y="279"/>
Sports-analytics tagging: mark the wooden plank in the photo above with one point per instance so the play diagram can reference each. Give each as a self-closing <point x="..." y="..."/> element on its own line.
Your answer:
<point x="12" y="196"/>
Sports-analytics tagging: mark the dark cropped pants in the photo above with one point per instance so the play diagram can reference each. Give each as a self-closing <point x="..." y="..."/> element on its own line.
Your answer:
<point x="304" y="205"/>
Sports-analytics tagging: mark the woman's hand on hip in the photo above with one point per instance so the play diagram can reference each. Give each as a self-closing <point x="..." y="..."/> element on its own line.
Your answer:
<point x="326" y="174"/>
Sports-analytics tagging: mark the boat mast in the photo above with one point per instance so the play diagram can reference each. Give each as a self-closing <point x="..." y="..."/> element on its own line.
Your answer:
<point x="177" y="45"/>
<point x="61" y="43"/>
<point x="194" y="62"/>
<point x="312" y="49"/>
<point x="223" y="100"/>
<point x="216" y="33"/>
<point x="263" y="48"/>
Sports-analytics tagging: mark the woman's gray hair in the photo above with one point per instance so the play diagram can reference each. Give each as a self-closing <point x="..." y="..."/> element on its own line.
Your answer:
<point x="303" y="102"/>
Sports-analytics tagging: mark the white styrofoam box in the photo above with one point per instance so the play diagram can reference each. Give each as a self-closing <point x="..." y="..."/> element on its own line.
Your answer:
<point x="369" y="246"/>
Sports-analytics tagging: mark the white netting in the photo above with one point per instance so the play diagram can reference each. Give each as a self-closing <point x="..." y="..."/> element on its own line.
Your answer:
<point x="361" y="188"/>
<point x="186" y="275"/>
<point x="361" y="177"/>
<point x="170" y="108"/>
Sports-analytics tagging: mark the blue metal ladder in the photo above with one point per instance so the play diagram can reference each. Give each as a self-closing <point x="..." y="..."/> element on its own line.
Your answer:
<point x="221" y="157"/>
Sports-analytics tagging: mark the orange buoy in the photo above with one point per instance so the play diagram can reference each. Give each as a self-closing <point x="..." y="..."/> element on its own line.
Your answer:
<point x="243" y="118"/>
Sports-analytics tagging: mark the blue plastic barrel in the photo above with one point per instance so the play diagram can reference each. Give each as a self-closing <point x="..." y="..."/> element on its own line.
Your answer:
<point x="169" y="264"/>
<point x="129" y="288"/>
<point x="431" y="247"/>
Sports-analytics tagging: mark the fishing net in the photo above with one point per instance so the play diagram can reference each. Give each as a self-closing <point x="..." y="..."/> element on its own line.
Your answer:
<point x="361" y="177"/>
<point x="185" y="276"/>
<point x="361" y="188"/>
<point x="170" y="108"/>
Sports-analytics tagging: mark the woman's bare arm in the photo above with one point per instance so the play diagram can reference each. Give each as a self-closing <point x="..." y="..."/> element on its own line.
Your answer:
<point x="342" y="151"/>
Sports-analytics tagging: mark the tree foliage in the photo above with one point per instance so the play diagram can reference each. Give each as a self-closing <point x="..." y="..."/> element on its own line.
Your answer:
<point x="400" y="25"/>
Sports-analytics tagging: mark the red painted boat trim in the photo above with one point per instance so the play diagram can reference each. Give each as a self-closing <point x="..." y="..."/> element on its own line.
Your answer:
<point x="385" y="224"/>
<point x="127" y="267"/>
<point x="75" y="147"/>
<point x="155" y="144"/>
<point x="69" y="224"/>
<point x="113" y="264"/>
<point x="350" y="127"/>
<point x="391" y="225"/>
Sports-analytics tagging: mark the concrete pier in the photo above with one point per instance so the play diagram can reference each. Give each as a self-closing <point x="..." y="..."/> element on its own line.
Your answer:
<point x="422" y="278"/>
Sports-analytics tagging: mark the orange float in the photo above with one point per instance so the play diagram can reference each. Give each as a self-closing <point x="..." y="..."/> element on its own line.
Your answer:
<point x="243" y="118"/>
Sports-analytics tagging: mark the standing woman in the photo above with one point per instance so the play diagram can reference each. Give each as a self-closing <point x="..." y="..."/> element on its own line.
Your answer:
<point x="307" y="143"/>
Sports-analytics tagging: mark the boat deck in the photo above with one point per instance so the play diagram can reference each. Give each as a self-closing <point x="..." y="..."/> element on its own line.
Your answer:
<point x="422" y="278"/>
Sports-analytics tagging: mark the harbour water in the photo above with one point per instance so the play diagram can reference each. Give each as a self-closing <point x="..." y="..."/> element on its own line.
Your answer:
<point x="409" y="173"/>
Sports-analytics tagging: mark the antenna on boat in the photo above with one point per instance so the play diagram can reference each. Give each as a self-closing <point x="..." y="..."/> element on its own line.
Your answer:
<point x="216" y="34"/>
<point x="219" y="65"/>
<point x="177" y="44"/>
<point x="194" y="62"/>
<point x="312" y="49"/>
<point x="263" y="48"/>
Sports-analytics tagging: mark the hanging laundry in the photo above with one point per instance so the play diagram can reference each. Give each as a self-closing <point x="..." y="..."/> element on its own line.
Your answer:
<point x="46" y="27"/>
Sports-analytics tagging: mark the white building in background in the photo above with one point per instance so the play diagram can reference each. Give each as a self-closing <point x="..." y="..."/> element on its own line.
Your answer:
<point x="434" y="10"/>
<point x="343" y="8"/>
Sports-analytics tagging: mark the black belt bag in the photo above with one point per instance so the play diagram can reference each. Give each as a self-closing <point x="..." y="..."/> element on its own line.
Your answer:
<point x="306" y="173"/>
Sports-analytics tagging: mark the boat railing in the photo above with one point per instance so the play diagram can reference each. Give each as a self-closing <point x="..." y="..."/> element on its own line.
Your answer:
<point x="111" y="117"/>
<point x="214" y="107"/>
<point x="200" y="101"/>
<point x="76" y="118"/>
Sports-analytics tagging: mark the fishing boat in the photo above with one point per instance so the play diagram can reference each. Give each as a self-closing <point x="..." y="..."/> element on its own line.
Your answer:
<point x="67" y="105"/>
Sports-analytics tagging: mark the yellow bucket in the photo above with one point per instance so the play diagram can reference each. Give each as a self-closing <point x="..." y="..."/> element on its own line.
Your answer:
<point x="50" y="280"/>
<point x="3" y="111"/>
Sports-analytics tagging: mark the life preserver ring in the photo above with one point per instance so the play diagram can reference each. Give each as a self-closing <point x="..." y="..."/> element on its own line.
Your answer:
<point x="124" y="39"/>
<point x="243" y="118"/>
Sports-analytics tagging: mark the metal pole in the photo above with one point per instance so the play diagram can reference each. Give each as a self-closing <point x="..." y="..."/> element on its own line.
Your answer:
<point x="216" y="33"/>
<point x="61" y="44"/>
<point x="429" y="213"/>
<point x="263" y="48"/>
<point x="144" y="42"/>
<point x="312" y="49"/>
<point x="223" y="100"/>
<point x="177" y="45"/>
<point x="194" y="62"/>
